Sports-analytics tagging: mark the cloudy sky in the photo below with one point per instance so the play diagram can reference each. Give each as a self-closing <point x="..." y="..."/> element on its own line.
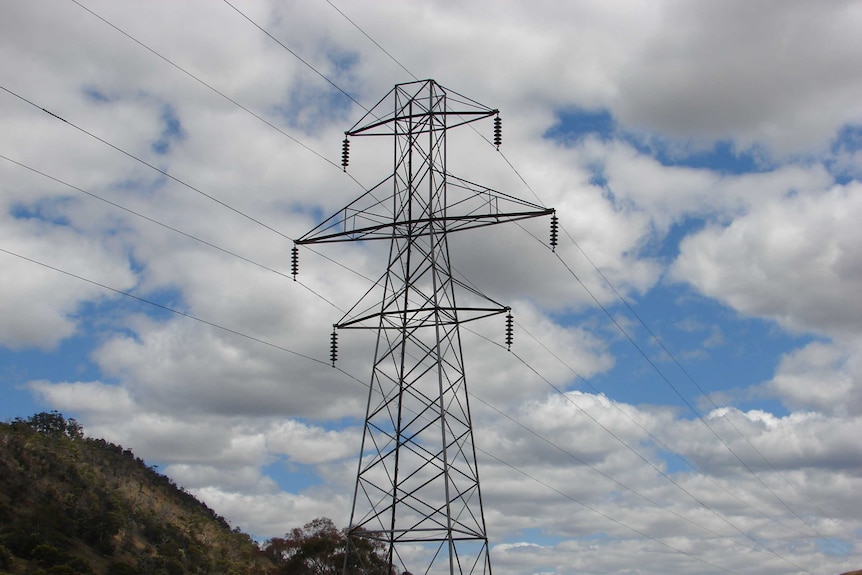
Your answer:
<point x="685" y="390"/>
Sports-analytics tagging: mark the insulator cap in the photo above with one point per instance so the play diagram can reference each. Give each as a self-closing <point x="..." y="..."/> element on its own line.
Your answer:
<point x="333" y="348"/>
<point x="509" y="331"/>
<point x="294" y="261"/>
<point x="555" y="225"/>
<point x="498" y="131"/>
<point x="345" y="153"/>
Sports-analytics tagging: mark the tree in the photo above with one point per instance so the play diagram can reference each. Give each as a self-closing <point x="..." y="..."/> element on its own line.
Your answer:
<point x="54" y="424"/>
<point x="318" y="547"/>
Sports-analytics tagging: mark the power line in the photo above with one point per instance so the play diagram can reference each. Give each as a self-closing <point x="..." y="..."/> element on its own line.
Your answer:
<point x="171" y="228"/>
<point x="587" y="464"/>
<point x="650" y="434"/>
<point x="597" y="511"/>
<point x="165" y="307"/>
<point x="676" y="390"/>
<point x="667" y="381"/>
<point x="228" y="98"/>
<point x="657" y="469"/>
<point x="658" y="440"/>
<point x="688" y="375"/>
<point x="372" y="40"/>
<point x="144" y="162"/>
<point x="297" y="56"/>
<point x="207" y="85"/>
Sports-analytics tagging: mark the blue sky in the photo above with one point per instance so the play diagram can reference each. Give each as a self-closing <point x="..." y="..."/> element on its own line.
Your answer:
<point x="703" y="158"/>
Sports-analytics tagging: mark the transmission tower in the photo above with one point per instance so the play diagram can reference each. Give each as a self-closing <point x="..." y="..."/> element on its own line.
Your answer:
<point x="417" y="487"/>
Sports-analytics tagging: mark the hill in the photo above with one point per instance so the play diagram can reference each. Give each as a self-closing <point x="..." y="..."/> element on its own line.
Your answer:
<point x="70" y="504"/>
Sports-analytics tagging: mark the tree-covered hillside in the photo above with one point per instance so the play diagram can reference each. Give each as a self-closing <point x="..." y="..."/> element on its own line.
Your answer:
<point x="70" y="504"/>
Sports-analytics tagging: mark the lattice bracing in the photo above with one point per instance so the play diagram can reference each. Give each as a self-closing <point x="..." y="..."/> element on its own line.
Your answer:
<point x="417" y="488"/>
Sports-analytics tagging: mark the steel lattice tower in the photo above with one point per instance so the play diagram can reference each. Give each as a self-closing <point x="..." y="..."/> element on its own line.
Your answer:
<point x="417" y="487"/>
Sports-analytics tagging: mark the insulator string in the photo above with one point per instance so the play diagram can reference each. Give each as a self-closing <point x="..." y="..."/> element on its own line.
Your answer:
<point x="509" y="330"/>
<point x="345" y="153"/>
<point x="555" y="226"/>
<point x="333" y="349"/>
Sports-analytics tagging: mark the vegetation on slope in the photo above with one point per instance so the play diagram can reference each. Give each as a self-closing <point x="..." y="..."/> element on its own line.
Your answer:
<point x="76" y="505"/>
<point x="70" y="504"/>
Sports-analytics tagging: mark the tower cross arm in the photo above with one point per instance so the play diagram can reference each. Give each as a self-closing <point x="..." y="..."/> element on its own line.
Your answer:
<point x="420" y="227"/>
<point x="422" y="317"/>
<point x="461" y="118"/>
<point x="422" y="104"/>
<point x="372" y="216"/>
